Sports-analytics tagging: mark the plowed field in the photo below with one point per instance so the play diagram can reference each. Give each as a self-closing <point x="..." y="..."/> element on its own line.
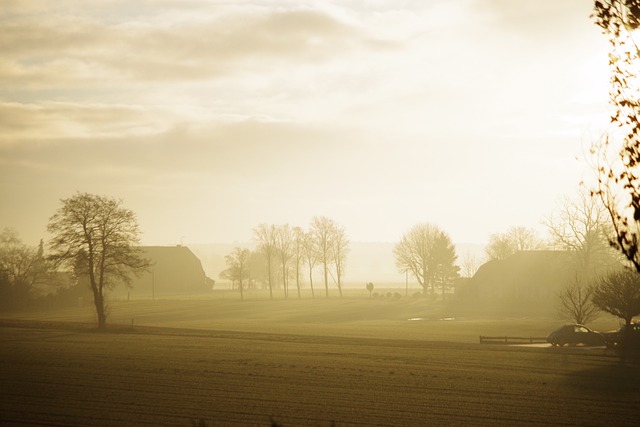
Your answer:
<point x="66" y="374"/>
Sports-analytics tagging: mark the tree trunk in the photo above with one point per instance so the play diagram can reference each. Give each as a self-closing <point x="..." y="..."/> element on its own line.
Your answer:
<point x="98" y="300"/>
<point x="313" y="295"/>
<point x="326" y="281"/>
<point x="285" y="285"/>
<point x="298" y="277"/>
<point x="269" y="278"/>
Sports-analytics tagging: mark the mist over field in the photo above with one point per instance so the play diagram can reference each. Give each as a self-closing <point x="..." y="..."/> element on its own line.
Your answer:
<point x="367" y="261"/>
<point x="336" y="213"/>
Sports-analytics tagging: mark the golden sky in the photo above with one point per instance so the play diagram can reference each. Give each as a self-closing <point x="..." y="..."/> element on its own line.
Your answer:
<point x="209" y="117"/>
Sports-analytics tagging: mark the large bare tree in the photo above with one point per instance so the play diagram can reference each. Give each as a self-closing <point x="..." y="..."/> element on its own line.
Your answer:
<point x="98" y="236"/>
<point x="426" y="252"/>
<point x="618" y="154"/>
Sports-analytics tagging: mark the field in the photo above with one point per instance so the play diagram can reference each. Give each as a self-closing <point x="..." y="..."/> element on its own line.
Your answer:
<point x="310" y="362"/>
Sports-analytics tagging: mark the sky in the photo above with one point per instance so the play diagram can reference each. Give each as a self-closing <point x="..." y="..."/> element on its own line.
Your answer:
<point x="207" y="118"/>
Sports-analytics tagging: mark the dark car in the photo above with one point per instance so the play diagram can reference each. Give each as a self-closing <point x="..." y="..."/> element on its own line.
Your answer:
<point x="616" y="339"/>
<point x="574" y="334"/>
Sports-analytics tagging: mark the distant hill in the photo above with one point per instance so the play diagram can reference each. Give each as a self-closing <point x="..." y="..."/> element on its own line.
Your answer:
<point x="366" y="262"/>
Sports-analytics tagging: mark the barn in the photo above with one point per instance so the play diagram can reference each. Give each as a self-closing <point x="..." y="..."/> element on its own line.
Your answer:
<point x="174" y="271"/>
<point x="526" y="283"/>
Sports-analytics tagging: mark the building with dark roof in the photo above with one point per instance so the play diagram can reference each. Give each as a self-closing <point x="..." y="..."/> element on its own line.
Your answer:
<point x="527" y="283"/>
<point x="174" y="271"/>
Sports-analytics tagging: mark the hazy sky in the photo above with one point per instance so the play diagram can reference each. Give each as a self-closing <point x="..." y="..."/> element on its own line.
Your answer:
<point x="210" y="117"/>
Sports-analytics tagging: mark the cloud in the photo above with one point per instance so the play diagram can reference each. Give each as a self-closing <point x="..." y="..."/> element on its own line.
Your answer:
<point x="248" y="148"/>
<point x="46" y="51"/>
<point x="47" y="121"/>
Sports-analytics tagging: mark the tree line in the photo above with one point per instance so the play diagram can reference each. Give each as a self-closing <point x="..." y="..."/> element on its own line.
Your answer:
<point x="284" y="253"/>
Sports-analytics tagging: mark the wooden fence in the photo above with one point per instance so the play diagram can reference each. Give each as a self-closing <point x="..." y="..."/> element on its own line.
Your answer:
<point x="512" y="340"/>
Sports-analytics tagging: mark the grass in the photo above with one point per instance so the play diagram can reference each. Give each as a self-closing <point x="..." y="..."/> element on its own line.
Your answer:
<point x="354" y="316"/>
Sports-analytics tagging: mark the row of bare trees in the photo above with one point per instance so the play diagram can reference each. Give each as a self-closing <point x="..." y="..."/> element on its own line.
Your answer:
<point x="283" y="253"/>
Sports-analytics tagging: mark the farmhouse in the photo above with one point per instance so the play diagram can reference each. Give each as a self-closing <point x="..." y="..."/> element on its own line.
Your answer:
<point x="527" y="282"/>
<point x="175" y="271"/>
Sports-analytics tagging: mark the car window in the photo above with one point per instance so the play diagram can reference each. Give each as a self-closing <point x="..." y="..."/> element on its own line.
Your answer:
<point x="581" y="329"/>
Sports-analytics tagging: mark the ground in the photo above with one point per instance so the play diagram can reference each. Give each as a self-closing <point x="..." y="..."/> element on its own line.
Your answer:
<point x="329" y="362"/>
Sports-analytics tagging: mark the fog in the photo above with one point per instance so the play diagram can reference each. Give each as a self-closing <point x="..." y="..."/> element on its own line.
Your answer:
<point x="423" y="134"/>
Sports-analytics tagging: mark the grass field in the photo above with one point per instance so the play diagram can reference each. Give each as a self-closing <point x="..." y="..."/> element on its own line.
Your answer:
<point x="310" y="362"/>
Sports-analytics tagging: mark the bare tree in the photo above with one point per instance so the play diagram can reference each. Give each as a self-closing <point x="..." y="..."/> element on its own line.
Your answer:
<point x="22" y="268"/>
<point x="310" y="253"/>
<point x="618" y="155"/>
<point x="285" y="252"/>
<point x="98" y="235"/>
<point x="413" y="251"/>
<point x="576" y="302"/>
<point x="418" y="252"/>
<point x="267" y="239"/>
<point x="298" y="254"/>
<point x="499" y="247"/>
<point x="516" y="239"/>
<point x="322" y="230"/>
<point x="257" y="266"/>
<point x="469" y="264"/>
<point x="619" y="294"/>
<point x="582" y="227"/>
<point x="339" y="251"/>
<point x="237" y="268"/>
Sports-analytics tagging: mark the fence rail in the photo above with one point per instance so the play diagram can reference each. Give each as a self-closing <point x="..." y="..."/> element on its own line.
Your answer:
<point x="511" y="340"/>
